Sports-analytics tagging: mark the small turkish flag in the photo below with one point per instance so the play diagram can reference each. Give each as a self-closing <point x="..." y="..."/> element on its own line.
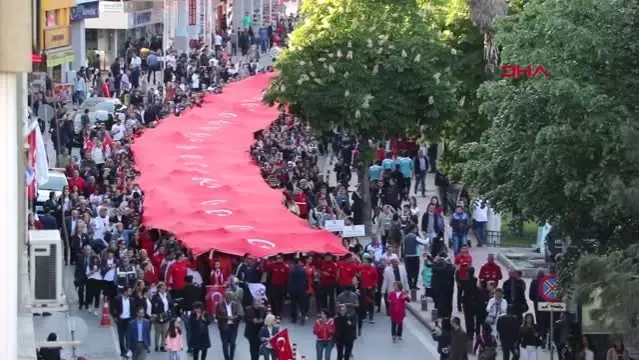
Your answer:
<point x="214" y="295"/>
<point x="282" y="346"/>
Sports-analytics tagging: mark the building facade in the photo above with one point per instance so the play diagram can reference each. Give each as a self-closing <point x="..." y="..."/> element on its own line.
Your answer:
<point x="119" y="22"/>
<point x="54" y="19"/>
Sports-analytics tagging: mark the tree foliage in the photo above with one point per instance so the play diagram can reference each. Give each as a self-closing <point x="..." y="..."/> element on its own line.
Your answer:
<point x="564" y="149"/>
<point x="379" y="68"/>
<point x="467" y="124"/>
<point x="614" y="276"/>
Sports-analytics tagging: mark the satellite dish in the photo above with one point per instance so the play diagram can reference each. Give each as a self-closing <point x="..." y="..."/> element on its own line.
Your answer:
<point x="46" y="112"/>
<point x="79" y="327"/>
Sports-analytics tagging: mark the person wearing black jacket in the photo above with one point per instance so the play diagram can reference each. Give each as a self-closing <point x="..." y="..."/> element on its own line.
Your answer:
<point x="345" y="333"/>
<point x="297" y="288"/>
<point x="470" y="305"/>
<point x="122" y="308"/>
<point x="80" y="278"/>
<point x="443" y="285"/>
<point x="161" y="308"/>
<point x="508" y="330"/>
<point x="254" y="316"/>
<point x="192" y="294"/>
<point x="515" y="294"/>
<point x="443" y="338"/>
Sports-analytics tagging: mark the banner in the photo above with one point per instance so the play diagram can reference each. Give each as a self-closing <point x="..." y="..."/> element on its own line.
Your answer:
<point x="214" y="295"/>
<point x="258" y="291"/>
<point x="282" y="345"/>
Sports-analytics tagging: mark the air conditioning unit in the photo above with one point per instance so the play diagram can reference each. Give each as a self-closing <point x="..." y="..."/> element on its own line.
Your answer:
<point x="45" y="270"/>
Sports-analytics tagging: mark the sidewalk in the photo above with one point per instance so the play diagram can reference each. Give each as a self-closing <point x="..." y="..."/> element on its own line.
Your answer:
<point x="479" y="258"/>
<point x="479" y="255"/>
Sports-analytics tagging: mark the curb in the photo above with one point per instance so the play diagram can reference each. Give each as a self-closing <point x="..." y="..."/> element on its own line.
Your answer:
<point x="506" y="262"/>
<point x="418" y="315"/>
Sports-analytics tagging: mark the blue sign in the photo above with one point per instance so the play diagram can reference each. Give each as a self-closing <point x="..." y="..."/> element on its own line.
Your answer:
<point x="142" y="18"/>
<point x="548" y="288"/>
<point x="90" y="10"/>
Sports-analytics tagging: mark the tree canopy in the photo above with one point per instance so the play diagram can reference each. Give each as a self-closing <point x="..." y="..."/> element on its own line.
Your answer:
<point x="376" y="67"/>
<point x="564" y="149"/>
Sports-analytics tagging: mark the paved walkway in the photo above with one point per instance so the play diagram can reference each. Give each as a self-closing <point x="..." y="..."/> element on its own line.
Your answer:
<point x="479" y="256"/>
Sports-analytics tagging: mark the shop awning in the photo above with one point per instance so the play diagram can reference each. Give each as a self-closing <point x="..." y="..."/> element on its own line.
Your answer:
<point x="59" y="56"/>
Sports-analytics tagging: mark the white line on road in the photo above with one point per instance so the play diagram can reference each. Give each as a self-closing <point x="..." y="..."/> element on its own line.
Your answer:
<point x="418" y="331"/>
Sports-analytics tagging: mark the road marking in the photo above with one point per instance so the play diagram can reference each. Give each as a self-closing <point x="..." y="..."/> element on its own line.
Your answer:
<point x="418" y="331"/>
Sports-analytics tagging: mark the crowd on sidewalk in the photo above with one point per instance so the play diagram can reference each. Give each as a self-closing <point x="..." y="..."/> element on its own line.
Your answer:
<point x="155" y="286"/>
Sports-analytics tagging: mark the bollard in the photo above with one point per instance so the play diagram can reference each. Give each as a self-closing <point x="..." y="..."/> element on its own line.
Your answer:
<point x="424" y="302"/>
<point x="268" y="310"/>
<point x="413" y="295"/>
<point x="294" y="351"/>
<point x="433" y="315"/>
<point x="303" y="357"/>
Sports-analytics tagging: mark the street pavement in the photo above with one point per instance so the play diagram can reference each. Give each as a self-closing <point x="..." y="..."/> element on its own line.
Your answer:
<point x="479" y="255"/>
<point x="101" y="342"/>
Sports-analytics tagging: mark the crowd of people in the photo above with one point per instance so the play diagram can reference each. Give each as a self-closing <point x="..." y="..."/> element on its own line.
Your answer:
<point x="156" y="287"/>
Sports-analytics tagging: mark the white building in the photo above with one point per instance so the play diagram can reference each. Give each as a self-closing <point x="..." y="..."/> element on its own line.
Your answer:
<point x="120" y="21"/>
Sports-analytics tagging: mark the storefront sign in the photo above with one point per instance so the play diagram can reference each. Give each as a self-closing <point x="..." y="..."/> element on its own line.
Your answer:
<point x="111" y="7"/>
<point x="57" y="37"/>
<point x="47" y="5"/>
<point x="142" y="18"/>
<point x="90" y="10"/>
<point x="55" y="58"/>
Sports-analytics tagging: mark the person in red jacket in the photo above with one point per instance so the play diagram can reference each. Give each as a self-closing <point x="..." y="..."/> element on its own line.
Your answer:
<point x="176" y="276"/>
<point x="279" y="271"/>
<point x="463" y="261"/>
<point x="327" y="278"/>
<point x="347" y="269"/>
<point x="156" y="259"/>
<point x="324" y="330"/>
<point x="76" y="180"/>
<point x="490" y="271"/>
<point x="368" y="285"/>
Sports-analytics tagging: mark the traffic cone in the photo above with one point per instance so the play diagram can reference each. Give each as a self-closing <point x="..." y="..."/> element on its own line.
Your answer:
<point x="105" y="320"/>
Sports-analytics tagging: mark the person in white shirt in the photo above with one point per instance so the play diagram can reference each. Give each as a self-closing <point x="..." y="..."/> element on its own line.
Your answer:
<point x="118" y="130"/>
<point x="94" y="283"/>
<point x="109" y="264"/>
<point x="218" y="44"/>
<point x="136" y="62"/>
<point x="100" y="224"/>
<point x="195" y="81"/>
<point x="497" y="307"/>
<point x="480" y="219"/>
<point x="122" y="311"/>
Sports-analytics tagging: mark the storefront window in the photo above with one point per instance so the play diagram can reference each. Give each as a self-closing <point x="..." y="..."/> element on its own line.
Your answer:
<point x="51" y="18"/>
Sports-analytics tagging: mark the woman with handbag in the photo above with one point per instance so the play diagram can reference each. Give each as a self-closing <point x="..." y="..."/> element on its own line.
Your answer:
<point x="529" y="338"/>
<point x="497" y="306"/>
<point x="486" y="344"/>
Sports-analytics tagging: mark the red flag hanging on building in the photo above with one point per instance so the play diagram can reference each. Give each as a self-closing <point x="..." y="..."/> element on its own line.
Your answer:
<point x="282" y="345"/>
<point x="214" y="295"/>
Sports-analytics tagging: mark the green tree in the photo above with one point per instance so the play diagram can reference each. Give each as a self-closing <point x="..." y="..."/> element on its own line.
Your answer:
<point x="377" y="68"/>
<point x="468" y="124"/>
<point x="613" y="276"/>
<point x="564" y="149"/>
